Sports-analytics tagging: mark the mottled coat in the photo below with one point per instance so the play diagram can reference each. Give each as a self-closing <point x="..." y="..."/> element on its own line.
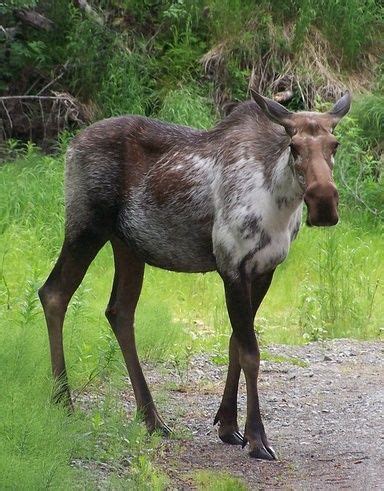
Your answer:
<point x="207" y="200"/>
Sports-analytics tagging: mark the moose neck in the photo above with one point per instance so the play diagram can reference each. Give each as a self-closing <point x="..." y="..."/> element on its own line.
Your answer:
<point x="247" y="138"/>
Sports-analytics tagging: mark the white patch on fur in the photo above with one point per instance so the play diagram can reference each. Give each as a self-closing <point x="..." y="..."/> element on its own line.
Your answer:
<point x="251" y="200"/>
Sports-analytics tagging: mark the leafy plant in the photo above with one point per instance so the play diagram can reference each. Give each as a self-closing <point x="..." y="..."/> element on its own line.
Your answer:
<point x="358" y="169"/>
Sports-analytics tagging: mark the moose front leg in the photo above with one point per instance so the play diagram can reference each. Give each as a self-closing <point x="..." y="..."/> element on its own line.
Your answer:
<point x="241" y="310"/>
<point x="227" y="414"/>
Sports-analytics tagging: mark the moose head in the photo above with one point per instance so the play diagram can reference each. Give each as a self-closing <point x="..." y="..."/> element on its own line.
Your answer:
<point x="313" y="147"/>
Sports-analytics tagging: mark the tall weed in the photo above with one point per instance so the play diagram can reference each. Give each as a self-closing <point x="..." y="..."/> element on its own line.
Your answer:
<point x="125" y="87"/>
<point x="338" y="296"/>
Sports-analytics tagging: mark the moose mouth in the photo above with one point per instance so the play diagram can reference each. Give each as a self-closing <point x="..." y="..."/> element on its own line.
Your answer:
<point x="327" y="218"/>
<point x="322" y="201"/>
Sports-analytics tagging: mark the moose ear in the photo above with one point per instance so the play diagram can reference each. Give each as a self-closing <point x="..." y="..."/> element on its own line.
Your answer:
<point x="273" y="110"/>
<point x="341" y="108"/>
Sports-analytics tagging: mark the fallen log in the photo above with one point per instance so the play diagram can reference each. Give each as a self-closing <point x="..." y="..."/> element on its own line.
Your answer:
<point x="34" y="19"/>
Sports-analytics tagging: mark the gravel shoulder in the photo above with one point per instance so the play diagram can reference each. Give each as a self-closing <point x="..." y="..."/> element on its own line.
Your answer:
<point x="324" y="418"/>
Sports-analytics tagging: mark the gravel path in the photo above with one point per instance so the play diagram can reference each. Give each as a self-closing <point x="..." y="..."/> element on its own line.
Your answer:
<point x="325" y="419"/>
<point x="323" y="412"/>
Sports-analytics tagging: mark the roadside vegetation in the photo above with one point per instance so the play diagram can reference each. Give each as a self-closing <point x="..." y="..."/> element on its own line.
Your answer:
<point x="182" y="61"/>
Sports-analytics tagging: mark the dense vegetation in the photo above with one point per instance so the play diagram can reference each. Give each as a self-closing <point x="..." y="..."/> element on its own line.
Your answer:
<point x="183" y="61"/>
<point x="187" y="61"/>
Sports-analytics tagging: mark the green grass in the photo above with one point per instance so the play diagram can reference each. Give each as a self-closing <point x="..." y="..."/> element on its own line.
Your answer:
<point x="215" y="481"/>
<point x="330" y="286"/>
<point x="38" y="441"/>
<point x="330" y="281"/>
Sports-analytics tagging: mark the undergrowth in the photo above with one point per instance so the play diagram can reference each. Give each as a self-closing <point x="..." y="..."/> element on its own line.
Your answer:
<point x="136" y="54"/>
<point x="215" y="481"/>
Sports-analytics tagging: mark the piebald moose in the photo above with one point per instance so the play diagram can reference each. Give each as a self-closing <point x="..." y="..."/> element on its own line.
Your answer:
<point x="228" y="200"/>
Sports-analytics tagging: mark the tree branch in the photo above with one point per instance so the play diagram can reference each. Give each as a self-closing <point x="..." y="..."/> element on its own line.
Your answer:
<point x="34" y="19"/>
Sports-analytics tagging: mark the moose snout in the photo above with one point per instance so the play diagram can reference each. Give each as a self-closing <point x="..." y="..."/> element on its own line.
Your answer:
<point x="322" y="200"/>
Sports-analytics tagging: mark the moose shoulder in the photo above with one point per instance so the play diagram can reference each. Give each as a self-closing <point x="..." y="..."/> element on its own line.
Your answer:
<point x="229" y="199"/>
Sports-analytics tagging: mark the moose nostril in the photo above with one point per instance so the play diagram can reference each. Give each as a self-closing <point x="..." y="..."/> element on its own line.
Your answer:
<point x="310" y="193"/>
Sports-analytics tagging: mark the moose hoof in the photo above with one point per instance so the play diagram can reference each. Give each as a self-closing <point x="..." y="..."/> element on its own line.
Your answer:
<point x="228" y="430"/>
<point x="154" y="422"/>
<point x="260" y="449"/>
<point x="164" y="430"/>
<point x="263" y="453"/>
<point x="234" y="438"/>
<point x="160" y="428"/>
<point x="64" y="399"/>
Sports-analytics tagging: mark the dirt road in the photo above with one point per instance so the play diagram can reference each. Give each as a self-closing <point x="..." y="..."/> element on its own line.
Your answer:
<point x="325" y="419"/>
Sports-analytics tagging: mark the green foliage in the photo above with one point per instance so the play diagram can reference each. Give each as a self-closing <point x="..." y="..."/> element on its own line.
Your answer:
<point x="349" y="25"/>
<point x="306" y="16"/>
<point x="229" y="17"/>
<point x="39" y="440"/>
<point x="181" y="53"/>
<point x="368" y="110"/>
<point x="144" y="50"/>
<point x="337" y="299"/>
<point x="169" y="339"/>
<point x="359" y="168"/>
<point x="186" y="106"/>
<point x="10" y="5"/>
<point x="125" y="86"/>
<point x="89" y="48"/>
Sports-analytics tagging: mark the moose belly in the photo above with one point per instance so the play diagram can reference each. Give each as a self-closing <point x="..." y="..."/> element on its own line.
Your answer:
<point x="181" y="244"/>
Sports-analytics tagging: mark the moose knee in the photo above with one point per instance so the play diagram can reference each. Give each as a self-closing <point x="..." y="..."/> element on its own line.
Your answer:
<point x="52" y="301"/>
<point x="118" y="313"/>
<point x="119" y="317"/>
<point x="250" y="361"/>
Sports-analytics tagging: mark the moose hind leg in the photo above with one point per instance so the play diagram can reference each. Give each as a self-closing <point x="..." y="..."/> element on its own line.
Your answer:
<point x="227" y="414"/>
<point x="67" y="274"/>
<point x="127" y="284"/>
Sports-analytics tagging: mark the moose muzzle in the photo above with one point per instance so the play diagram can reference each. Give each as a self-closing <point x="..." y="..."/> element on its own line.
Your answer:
<point x="322" y="200"/>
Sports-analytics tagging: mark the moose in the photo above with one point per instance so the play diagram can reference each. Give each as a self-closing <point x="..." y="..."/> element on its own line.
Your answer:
<point x="229" y="199"/>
